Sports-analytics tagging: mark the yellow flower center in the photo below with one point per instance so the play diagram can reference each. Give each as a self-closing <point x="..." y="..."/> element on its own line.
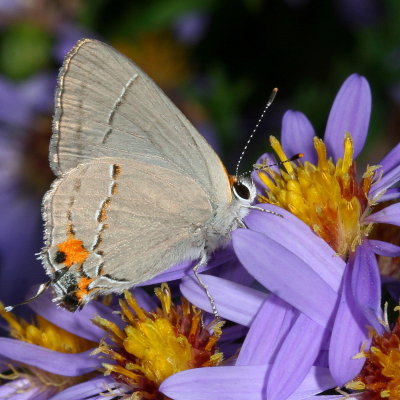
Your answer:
<point x="380" y="377"/>
<point x="45" y="334"/>
<point x="325" y="196"/>
<point x="153" y="346"/>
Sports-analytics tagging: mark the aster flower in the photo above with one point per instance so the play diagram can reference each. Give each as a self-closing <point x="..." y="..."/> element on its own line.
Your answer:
<point x="52" y="356"/>
<point x="340" y="295"/>
<point x="41" y="358"/>
<point x="151" y="346"/>
<point x="277" y="331"/>
<point x="325" y="194"/>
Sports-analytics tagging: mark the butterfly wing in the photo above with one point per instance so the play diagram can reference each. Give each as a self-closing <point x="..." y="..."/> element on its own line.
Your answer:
<point x="120" y="222"/>
<point x="107" y="107"/>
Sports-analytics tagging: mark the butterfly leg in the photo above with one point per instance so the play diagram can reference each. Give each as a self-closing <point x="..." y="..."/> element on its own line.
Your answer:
<point x="241" y="223"/>
<point x="201" y="263"/>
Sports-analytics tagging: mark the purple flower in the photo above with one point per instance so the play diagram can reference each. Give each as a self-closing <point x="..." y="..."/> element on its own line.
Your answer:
<point x="331" y="279"/>
<point x="53" y="357"/>
<point x="269" y="364"/>
<point x="51" y="354"/>
<point x="286" y="256"/>
<point x="57" y="355"/>
<point x="144" y="348"/>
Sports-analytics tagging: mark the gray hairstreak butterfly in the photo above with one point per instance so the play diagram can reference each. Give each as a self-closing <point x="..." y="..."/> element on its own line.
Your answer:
<point x="138" y="189"/>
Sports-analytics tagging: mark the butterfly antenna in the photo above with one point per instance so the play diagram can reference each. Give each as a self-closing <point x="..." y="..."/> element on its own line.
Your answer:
<point x="259" y="167"/>
<point x="39" y="292"/>
<point x="269" y="102"/>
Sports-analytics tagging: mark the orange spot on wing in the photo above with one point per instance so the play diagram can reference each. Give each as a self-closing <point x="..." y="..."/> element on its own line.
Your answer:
<point x="74" y="251"/>
<point x="83" y="284"/>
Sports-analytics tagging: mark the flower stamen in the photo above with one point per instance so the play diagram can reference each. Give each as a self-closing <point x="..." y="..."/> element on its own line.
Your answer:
<point x="326" y="196"/>
<point x="380" y="376"/>
<point x="154" y="345"/>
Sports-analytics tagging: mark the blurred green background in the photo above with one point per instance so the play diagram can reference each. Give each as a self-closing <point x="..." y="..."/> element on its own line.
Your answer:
<point x="218" y="60"/>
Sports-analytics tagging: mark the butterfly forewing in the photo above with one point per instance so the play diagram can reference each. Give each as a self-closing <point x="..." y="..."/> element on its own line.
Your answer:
<point x="107" y="107"/>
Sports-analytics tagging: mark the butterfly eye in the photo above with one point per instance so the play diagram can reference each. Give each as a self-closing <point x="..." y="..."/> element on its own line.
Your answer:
<point x="241" y="191"/>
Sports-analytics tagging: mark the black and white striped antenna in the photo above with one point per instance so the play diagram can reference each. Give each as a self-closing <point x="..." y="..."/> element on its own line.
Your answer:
<point x="269" y="102"/>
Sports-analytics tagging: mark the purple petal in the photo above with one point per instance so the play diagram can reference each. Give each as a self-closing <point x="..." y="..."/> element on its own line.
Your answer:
<point x="384" y="248"/>
<point x="233" y="332"/>
<point x="144" y="300"/>
<point x="295" y="358"/>
<point x="390" y="194"/>
<point x="23" y="389"/>
<point x="297" y="136"/>
<point x="391" y="160"/>
<point x="285" y="274"/>
<point x="389" y="215"/>
<point x="234" y="302"/>
<point x="49" y="360"/>
<point x="322" y="359"/>
<point x="235" y="272"/>
<point x="186" y="268"/>
<point x="323" y="397"/>
<point x="348" y="334"/>
<point x="233" y="383"/>
<point x="87" y="389"/>
<point x="266" y="333"/>
<point x="378" y="189"/>
<point x="293" y="234"/>
<point x="236" y="383"/>
<point x="79" y="323"/>
<point x="366" y="285"/>
<point x="350" y="113"/>
<point x="317" y="380"/>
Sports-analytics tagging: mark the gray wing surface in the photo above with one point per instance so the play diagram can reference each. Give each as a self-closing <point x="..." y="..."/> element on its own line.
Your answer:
<point x="133" y="218"/>
<point x="107" y="107"/>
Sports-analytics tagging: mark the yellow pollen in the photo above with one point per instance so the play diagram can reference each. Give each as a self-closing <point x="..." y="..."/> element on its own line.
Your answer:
<point x="45" y="334"/>
<point x="280" y="153"/>
<point x="154" y="345"/>
<point x="325" y="196"/>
